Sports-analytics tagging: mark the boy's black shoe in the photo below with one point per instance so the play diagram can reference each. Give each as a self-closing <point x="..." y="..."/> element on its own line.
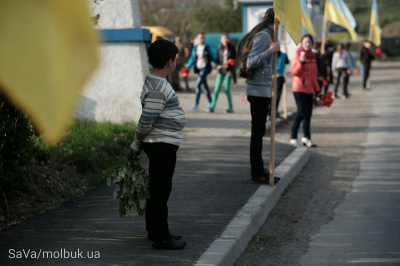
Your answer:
<point x="170" y="244"/>
<point x="151" y="236"/>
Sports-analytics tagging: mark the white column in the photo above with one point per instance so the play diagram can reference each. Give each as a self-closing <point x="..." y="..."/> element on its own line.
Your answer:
<point x="113" y="94"/>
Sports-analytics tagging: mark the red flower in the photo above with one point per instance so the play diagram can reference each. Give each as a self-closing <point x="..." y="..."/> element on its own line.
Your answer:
<point x="230" y="62"/>
<point x="184" y="72"/>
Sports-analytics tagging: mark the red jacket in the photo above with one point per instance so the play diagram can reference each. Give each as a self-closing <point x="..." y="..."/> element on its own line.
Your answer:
<point x="304" y="74"/>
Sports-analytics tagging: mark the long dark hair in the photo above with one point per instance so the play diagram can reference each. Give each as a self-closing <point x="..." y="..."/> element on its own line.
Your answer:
<point x="246" y="43"/>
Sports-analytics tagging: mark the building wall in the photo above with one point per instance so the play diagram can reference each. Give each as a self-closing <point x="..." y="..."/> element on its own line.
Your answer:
<point x="113" y="93"/>
<point x="253" y="11"/>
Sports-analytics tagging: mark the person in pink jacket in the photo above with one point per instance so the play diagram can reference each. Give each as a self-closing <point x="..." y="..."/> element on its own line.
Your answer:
<point x="304" y="71"/>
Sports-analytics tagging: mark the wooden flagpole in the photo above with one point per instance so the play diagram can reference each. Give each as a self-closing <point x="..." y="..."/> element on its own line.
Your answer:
<point x="273" y="110"/>
<point x="284" y="75"/>
<point x="323" y="39"/>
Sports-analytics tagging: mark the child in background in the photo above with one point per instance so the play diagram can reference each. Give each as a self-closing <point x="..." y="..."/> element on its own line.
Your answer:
<point x="201" y="57"/>
<point x="226" y="56"/>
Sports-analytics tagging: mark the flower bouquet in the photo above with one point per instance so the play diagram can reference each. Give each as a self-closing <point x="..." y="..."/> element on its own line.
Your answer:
<point x="326" y="100"/>
<point x="132" y="187"/>
<point x="184" y="72"/>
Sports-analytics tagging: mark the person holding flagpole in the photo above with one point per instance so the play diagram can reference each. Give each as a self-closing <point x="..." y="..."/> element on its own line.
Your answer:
<point x="256" y="49"/>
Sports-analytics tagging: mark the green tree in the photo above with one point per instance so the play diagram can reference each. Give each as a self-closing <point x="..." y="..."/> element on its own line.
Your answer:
<point x="389" y="14"/>
<point x="187" y="18"/>
<point x="16" y="147"/>
<point x="219" y="18"/>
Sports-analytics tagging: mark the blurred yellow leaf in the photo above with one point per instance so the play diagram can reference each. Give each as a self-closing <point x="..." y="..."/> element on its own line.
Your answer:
<point x="48" y="51"/>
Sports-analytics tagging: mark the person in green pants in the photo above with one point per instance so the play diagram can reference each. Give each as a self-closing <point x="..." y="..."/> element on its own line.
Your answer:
<point x="226" y="56"/>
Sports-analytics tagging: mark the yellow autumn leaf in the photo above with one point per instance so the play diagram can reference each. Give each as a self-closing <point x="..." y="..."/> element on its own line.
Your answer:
<point x="48" y="51"/>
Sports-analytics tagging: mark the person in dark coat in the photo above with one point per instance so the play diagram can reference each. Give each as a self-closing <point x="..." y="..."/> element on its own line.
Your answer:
<point x="366" y="57"/>
<point x="322" y="76"/>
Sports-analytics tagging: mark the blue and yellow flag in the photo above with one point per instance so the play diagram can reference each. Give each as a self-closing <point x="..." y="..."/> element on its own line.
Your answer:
<point x="306" y="19"/>
<point x="48" y="50"/>
<point x="374" y="28"/>
<point x="289" y="17"/>
<point x="337" y="12"/>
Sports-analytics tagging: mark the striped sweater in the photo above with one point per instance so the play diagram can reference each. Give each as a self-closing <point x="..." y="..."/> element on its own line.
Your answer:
<point x="162" y="118"/>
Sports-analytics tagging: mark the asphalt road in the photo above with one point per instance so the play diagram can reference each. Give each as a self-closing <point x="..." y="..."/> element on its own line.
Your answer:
<point x="344" y="206"/>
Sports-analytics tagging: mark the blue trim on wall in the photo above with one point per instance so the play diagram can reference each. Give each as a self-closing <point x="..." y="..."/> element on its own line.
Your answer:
<point x="125" y="35"/>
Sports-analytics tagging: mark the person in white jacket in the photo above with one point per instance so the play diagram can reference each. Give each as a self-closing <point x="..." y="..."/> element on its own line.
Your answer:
<point x="342" y="67"/>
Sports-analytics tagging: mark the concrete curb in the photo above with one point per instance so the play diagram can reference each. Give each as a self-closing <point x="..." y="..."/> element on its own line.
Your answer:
<point x="226" y="249"/>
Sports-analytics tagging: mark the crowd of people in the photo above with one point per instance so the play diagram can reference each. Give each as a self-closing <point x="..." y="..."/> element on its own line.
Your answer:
<point x="313" y="70"/>
<point x="159" y="129"/>
<point x="334" y="66"/>
<point x="200" y="56"/>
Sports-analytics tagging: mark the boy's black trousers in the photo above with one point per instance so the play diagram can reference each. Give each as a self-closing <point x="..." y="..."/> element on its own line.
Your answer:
<point x="162" y="161"/>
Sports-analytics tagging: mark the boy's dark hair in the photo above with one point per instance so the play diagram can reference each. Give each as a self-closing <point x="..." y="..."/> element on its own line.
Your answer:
<point x="160" y="52"/>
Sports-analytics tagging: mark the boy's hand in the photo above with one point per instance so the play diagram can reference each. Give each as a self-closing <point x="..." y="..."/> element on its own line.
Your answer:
<point x="135" y="152"/>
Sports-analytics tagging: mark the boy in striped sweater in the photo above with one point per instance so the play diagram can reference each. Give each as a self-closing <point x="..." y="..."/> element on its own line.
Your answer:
<point x="159" y="134"/>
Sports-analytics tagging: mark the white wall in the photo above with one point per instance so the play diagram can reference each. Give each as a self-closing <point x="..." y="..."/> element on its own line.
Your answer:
<point x="113" y="94"/>
<point x="254" y="12"/>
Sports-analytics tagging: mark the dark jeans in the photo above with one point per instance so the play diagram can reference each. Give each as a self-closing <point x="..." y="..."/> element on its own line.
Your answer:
<point x="202" y="81"/>
<point x="304" y="103"/>
<point x="162" y="160"/>
<point x="365" y="74"/>
<point x="259" y="107"/>
<point x="342" y="72"/>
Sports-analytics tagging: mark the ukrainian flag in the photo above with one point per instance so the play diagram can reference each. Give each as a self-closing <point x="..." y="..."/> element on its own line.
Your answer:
<point x="306" y="19"/>
<point x="288" y="15"/>
<point x="337" y="12"/>
<point x="374" y="28"/>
